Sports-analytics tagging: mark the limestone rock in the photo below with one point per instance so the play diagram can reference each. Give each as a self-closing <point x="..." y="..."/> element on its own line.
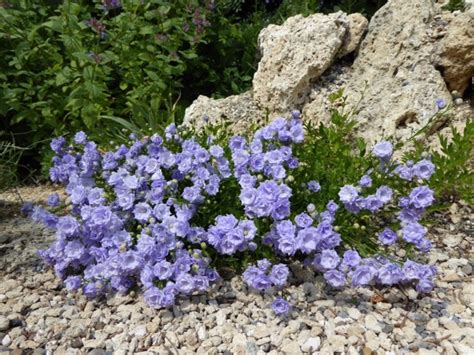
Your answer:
<point x="455" y="51"/>
<point x="394" y="83"/>
<point x="355" y="32"/>
<point x="238" y="110"/>
<point x="293" y="54"/>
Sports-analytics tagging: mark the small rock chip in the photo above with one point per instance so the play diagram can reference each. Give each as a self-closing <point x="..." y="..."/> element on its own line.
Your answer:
<point x="4" y="323"/>
<point x="311" y="344"/>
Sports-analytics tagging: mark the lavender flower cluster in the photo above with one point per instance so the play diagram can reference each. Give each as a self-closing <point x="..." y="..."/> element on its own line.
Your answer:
<point x="131" y="217"/>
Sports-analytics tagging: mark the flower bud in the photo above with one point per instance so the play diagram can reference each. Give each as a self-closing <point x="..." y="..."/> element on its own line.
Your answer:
<point x="337" y="228"/>
<point x="290" y="179"/>
<point x="311" y="208"/>
<point x="195" y="267"/>
<point x="203" y="245"/>
<point x="356" y="225"/>
<point x="152" y="220"/>
<point x="260" y="177"/>
<point x="363" y="228"/>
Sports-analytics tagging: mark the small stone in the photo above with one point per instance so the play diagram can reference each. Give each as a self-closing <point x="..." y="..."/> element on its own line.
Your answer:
<point x="354" y="313"/>
<point x="201" y="333"/>
<point x="372" y="323"/>
<point x="4" y="323"/>
<point x="291" y="347"/>
<point x="6" y="341"/>
<point x="220" y="317"/>
<point x="456" y="308"/>
<point x="261" y="331"/>
<point x="311" y="344"/>
<point x="432" y="325"/>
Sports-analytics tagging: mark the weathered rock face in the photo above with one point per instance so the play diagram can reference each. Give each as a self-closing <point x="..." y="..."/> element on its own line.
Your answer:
<point x="239" y="111"/>
<point x="455" y="57"/>
<point x="293" y="54"/>
<point x="394" y="83"/>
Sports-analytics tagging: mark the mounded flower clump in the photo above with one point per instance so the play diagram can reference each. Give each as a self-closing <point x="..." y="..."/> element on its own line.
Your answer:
<point x="165" y="213"/>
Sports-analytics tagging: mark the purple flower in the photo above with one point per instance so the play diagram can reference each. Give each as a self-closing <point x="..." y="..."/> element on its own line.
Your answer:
<point x="413" y="232"/>
<point x="308" y="239"/>
<point x="363" y="275"/>
<point x="73" y="283"/>
<point x="287" y="245"/>
<point x="142" y="212"/>
<point x="365" y="181"/>
<point x="314" y="186"/>
<point x="285" y="229"/>
<point x="383" y="150"/>
<point x="404" y="172"/>
<point x="421" y="197"/>
<point x="335" y="278"/>
<point x="425" y="286"/>
<point x="264" y="264"/>
<point x="372" y="203"/>
<point x="440" y="103"/>
<point x="67" y="225"/>
<point x="348" y="194"/>
<point x="424" y="169"/>
<point x="53" y="200"/>
<point x="328" y="259"/>
<point x="57" y="144"/>
<point x="279" y="275"/>
<point x="80" y="138"/>
<point x="131" y="261"/>
<point x="387" y="237"/>
<point x="384" y="194"/>
<point x="389" y="274"/>
<point x="351" y="258"/>
<point x="185" y="283"/>
<point x="303" y="220"/>
<point x="280" y="306"/>
<point x="108" y="5"/>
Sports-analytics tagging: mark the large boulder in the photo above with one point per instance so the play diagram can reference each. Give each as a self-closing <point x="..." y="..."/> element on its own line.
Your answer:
<point x="455" y="51"/>
<point x="393" y="84"/>
<point x="293" y="54"/>
<point x="239" y="111"/>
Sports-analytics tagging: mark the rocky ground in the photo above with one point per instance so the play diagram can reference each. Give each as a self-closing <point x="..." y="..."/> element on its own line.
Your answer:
<point x="37" y="315"/>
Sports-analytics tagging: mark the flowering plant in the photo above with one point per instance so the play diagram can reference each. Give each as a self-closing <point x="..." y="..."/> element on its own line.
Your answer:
<point x="168" y="211"/>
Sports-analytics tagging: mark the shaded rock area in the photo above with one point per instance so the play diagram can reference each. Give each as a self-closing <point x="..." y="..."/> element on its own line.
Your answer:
<point x="392" y="70"/>
<point x="38" y="315"/>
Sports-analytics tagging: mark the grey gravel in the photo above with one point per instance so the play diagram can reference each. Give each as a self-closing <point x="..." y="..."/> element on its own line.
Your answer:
<point x="37" y="313"/>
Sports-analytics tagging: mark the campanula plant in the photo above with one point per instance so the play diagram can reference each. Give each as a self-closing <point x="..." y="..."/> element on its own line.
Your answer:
<point x="167" y="212"/>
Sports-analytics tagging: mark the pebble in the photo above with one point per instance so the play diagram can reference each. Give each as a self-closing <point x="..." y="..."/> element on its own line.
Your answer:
<point x="372" y="323"/>
<point x="6" y="341"/>
<point x="4" y="323"/>
<point x="311" y="344"/>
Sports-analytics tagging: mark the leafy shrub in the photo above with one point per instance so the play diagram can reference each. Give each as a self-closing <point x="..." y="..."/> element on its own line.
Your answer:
<point x="75" y="65"/>
<point x="167" y="212"/>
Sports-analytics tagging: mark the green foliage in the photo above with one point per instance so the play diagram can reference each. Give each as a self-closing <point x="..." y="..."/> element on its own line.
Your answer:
<point x="454" y="176"/>
<point x="68" y="67"/>
<point x="454" y="5"/>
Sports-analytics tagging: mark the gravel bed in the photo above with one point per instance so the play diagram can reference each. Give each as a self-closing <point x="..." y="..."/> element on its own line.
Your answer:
<point x="37" y="315"/>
